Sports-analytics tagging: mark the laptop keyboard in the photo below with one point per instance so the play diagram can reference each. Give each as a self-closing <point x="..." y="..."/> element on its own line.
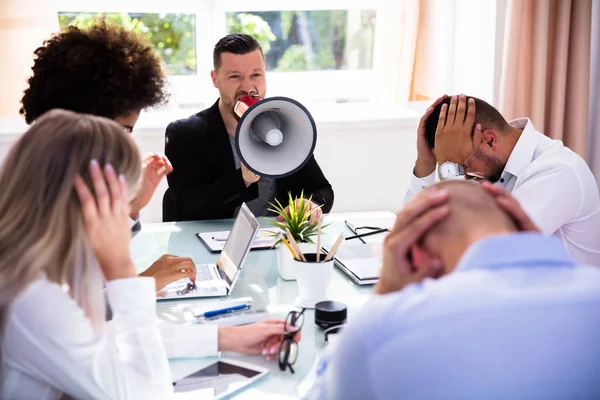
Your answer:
<point x="185" y="286"/>
<point x="203" y="273"/>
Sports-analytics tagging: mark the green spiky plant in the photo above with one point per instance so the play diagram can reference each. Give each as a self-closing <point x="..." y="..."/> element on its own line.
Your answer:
<point x="297" y="220"/>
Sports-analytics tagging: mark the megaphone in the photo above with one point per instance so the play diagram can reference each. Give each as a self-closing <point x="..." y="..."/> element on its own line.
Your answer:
<point x="275" y="136"/>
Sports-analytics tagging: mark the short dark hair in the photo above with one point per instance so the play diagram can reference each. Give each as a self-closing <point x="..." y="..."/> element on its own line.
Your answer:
<point x="236" y="43"/>
<point x="104" y="70"/>
<point x="485" y="114"/>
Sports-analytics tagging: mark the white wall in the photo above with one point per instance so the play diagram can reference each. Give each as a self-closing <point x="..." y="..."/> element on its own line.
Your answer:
<point x="367" y="159"/>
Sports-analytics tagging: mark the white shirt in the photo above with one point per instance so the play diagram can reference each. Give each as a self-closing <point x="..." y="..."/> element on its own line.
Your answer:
<point x="554" y="186"/>
<point x="517" y="319"/>
<point x="49" y="345"/>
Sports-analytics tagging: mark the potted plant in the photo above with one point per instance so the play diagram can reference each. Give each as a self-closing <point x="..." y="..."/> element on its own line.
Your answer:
<point x="299" y="257"/>
<point x="303" y="231"/>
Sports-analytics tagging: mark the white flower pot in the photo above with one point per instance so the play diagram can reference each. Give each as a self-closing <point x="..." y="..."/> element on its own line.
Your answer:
<point x="313" y="280"/>
<point x="285" y="260"/>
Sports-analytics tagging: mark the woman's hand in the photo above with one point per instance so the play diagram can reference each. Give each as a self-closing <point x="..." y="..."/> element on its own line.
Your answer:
<point x="105" y="218"/>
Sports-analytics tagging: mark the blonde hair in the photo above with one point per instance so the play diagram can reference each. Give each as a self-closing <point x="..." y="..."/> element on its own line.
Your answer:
<point x="41" y="229"/>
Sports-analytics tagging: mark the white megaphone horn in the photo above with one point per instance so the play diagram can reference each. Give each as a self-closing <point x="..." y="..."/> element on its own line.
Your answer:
<point x="275" y="136"/>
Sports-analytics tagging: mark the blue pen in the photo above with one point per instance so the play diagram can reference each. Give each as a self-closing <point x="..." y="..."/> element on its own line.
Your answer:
<point x="225" y="310"/>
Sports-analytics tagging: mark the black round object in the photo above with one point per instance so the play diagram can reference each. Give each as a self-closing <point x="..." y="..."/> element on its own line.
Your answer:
<point x="330" y="313"/>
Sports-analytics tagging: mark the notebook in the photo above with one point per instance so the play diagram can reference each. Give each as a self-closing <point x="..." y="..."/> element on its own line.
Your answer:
<point x="215" y="241"/>
<point x="359" y="262"/>
<point x="366" y="225"/>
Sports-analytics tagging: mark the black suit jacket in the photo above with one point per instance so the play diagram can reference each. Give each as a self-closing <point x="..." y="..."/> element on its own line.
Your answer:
<point x="205" y="183"/>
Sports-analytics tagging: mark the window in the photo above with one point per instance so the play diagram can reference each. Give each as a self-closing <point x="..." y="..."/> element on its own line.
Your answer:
<point x="171" y="35"/>
<point x="310" y="40"/>
<point x="319" y="52"/>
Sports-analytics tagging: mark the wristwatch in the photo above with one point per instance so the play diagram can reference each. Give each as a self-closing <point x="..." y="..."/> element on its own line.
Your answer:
<point x="449" y="170"/>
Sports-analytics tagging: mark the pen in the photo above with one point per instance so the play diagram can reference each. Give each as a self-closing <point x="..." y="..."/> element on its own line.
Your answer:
<point x="368" y="234"/>
<point x="225" y="310"/>
<point x="255" y="240"/>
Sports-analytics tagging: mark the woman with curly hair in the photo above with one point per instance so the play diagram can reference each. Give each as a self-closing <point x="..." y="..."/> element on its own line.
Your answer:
<point x="107" y="71"/>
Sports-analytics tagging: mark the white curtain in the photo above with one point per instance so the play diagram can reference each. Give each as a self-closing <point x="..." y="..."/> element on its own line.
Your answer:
<point x="398" y="24"/>
<point x="594" y="114"/>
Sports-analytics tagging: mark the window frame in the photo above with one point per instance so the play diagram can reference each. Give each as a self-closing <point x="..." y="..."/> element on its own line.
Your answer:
<point x="197" y="90"/>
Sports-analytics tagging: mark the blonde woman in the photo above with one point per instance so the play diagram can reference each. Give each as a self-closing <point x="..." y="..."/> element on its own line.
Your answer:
<point x="65" y="189"/>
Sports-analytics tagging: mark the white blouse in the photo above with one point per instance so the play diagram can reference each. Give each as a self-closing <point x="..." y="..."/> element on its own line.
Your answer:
<point x="50" y="348"/>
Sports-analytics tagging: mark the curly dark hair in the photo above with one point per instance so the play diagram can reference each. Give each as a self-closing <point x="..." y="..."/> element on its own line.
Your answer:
<point x="105" y="70"/>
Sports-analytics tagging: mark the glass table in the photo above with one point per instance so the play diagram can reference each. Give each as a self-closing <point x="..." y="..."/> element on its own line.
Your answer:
<point x="259" y="280"/>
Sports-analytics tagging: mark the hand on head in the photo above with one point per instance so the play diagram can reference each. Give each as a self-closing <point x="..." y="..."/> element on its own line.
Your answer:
<point x="426" y="161"/>
<point x="105" y="220"/>
<point x="432" y="232"/>
<point x="398" y="269"/>
<point x="457" y="137"/>
<point x="511" y="206"/>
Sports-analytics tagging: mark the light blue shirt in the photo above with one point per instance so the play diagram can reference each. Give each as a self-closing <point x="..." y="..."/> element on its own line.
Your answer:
<point x="517" y="319"/>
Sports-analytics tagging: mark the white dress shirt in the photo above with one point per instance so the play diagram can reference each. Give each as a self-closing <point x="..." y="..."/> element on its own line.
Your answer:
<point x="49" y="346"/>
<point x="517" y="319"/>
<point x="554" y="185"/>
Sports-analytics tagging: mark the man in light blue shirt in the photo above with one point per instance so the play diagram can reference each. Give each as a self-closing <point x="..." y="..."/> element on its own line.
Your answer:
<point x="469" y="308"/>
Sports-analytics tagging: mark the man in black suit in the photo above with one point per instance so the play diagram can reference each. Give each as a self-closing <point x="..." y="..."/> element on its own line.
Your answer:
<point x="208" y="179"/>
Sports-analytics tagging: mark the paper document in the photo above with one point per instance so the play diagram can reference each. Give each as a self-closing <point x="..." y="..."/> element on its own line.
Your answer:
<point x="366" y="225"/>
<point x="215" y="241"/>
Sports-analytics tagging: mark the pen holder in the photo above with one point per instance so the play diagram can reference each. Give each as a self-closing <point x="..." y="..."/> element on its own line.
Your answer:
<point x="313" y="280"/>
<point x="285" y="261"/>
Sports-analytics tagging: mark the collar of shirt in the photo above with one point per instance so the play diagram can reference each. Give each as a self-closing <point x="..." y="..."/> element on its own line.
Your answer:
<point x="516" y="250"/>
<point x="524" y="150"/>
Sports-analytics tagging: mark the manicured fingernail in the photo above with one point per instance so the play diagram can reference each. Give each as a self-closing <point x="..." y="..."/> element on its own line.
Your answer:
<point x="109" y="168"/>
<point x="273" y="350"/>
<point x="454" y="98"/>
<point x="265" y="352"/>
<point x="122" y="178"/>
<point x="94" y="163"/>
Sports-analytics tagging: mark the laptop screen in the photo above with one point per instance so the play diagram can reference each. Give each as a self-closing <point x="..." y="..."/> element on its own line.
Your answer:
<point x="238" y="244"/>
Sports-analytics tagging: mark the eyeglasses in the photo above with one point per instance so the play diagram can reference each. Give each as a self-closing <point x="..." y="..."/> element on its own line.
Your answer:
<point x="288" y="351"/>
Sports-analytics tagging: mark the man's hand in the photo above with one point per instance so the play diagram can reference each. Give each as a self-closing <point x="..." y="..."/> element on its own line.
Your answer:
<point x="105" y="220"/>
<point x="263" y="337"/>
<point x="511" y="206"/>
<point x="169" y="269"/>
<point x="154" y="168"/>
<point x="419" y="215"/>
<point x="249" y="176"/>
<point x="316" y="214"/>
<point x="453" y="140"/>
<point x="426" y="161"/>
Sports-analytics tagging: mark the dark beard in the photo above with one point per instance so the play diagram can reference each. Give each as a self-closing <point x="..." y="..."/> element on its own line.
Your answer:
<point x="493" y="166"/>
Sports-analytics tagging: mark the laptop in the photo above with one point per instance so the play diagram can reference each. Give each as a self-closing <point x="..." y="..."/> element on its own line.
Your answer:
<point x="359" y="262"/>
<point x="214" y="280"/>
